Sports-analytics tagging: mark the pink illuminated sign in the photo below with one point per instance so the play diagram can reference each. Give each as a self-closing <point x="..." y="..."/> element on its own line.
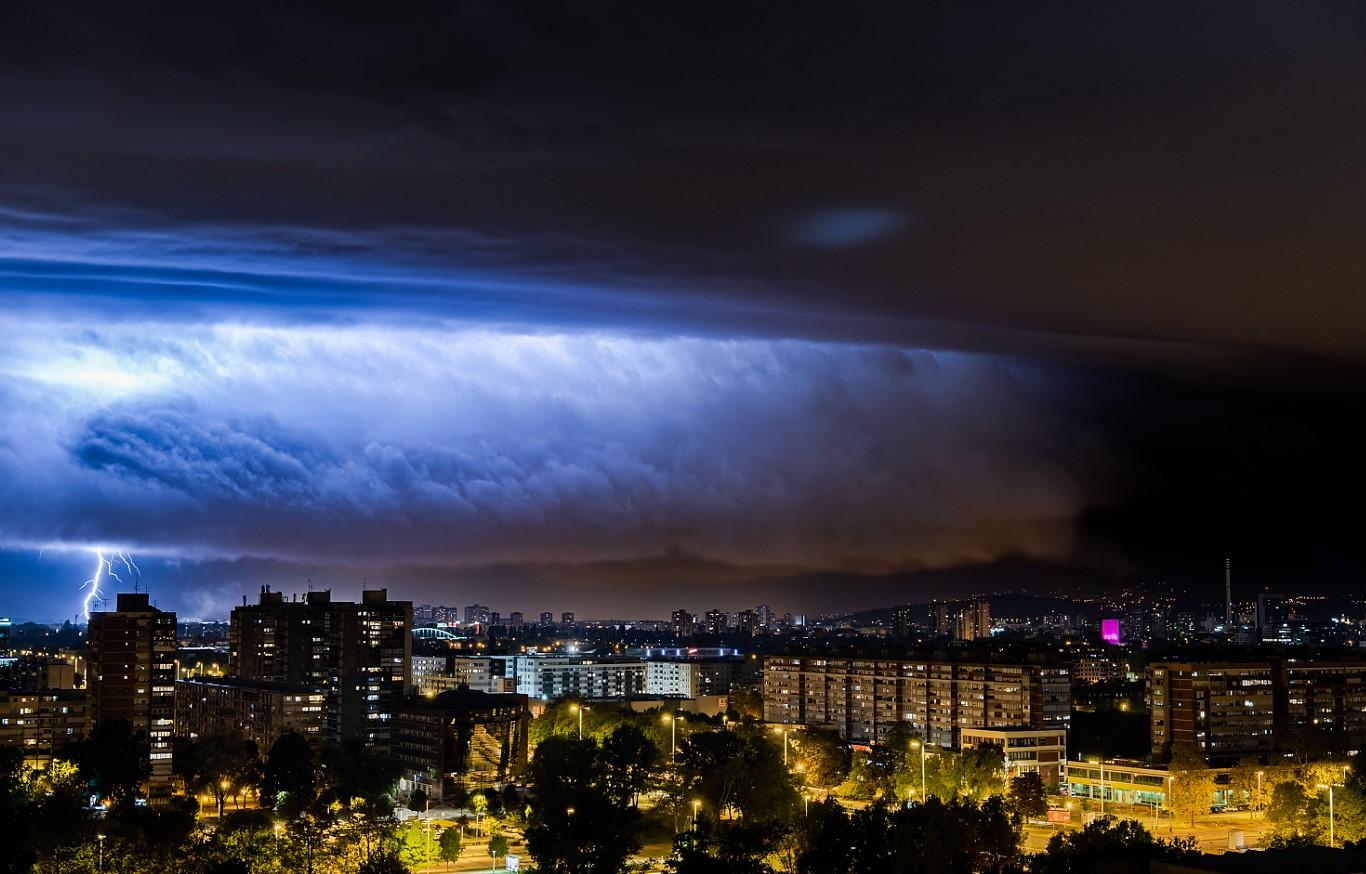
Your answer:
<point x="1109" y="630"/>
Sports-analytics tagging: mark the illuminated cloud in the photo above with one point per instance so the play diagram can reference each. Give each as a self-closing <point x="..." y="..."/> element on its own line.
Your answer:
<point x="460" y="446"/>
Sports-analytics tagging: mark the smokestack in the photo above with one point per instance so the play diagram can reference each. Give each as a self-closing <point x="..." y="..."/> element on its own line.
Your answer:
<point x="1228" y="592"/>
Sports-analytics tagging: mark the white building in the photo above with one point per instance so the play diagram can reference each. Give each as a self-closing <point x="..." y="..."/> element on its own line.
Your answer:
<point x="558" y="676"/>
<point x="673" y="679"/>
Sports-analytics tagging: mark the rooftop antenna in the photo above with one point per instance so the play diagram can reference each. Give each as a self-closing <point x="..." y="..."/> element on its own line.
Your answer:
<point x="1228" y="591"/>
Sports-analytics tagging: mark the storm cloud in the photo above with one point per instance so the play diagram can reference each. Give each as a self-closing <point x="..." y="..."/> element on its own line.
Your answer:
<point x="466" y="446"/>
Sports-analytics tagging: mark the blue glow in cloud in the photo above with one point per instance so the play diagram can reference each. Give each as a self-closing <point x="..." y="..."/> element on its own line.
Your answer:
<point x="848" y="227"/>
<point x="292" y="397"/>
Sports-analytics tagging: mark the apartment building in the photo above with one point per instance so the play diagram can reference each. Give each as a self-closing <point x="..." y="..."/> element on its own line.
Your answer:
<point x="357" y="654"/>
<point x="262" y="711"/>
<point x="863" y="698"/>
<point x="41" y="722"/>
<point x="130" y="661"/>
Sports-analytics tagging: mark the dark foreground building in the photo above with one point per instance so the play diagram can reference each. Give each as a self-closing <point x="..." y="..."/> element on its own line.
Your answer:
<point x="130" y="664"/>
<point x="460" y="737"/>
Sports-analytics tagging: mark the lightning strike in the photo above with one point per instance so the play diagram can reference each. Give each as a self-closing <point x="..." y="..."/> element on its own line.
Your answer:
<point x="104" y="567"/>
<point x="101" y="563"/>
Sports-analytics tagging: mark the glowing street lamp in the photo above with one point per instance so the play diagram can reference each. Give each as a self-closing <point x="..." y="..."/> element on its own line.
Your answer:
<point x="917" y="744"/>
<point x="579" y="709"/>
<point x="695" y="805"/>
<point x="784" y="731"/>
<point x="1332" y="824"/>
<point x="673" y="721"/>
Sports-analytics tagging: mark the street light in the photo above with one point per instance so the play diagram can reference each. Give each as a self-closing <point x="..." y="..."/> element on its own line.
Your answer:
<point x="579" y="709"/>
<point x="100" y="863"/>
<point x="918" y="745"/>
<point x="695" y="805"/>
<point x="1257" y="803"/>
<point x="784" y="732"/>
<point x="673" y="721"/>
<point x="1332" y="824"/>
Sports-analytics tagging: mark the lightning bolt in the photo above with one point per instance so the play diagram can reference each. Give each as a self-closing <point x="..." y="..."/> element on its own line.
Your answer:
<point x="93" y="584"/>
<point x="104" y="567"/>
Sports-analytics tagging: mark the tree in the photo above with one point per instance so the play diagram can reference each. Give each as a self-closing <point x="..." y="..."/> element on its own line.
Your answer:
<point x="736" y="771"/>
<point x="746" y="703"/>
<point x="1191" y="785"/>
<point x="451" y="845"/>
<point x="498" y="848"/>
<point x="576" y="825"/>
<point x="1243" y="781"/>
<point x="222" y="764"/>
<point x="1027" y="796"/>
<point x="1122" y="847"/>
<point x="975" y="773"/>
<point x="629" y="758"/>
<point x="385" y="862"/>
<point x="1348" y="815"/>
<point x="114" y="760"/>
<point x="290" y="767"/>
<point x="1288" y="811"/>
<point x="822" y="757"/>
<point x="359" y="777"/>
<point x="479" y="803"/>
<point x="417" y="799"/>
<point x="709" y="849"/>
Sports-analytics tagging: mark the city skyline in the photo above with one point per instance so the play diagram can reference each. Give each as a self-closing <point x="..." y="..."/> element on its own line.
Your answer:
<point x="1037" y="300"/>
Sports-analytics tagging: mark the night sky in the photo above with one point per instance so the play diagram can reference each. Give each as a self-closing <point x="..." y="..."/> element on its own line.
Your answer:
<point x="617" y="308"/>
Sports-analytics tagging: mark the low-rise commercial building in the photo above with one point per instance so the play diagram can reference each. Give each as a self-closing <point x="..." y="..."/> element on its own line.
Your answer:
<point x="1042" y="752"/>
<point x="460" y="738"/>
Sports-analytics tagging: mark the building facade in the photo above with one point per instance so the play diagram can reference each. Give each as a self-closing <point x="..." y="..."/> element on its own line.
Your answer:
<point x="357" y="654"/>
<point x="680" y="679"/>
<point x="262" y="712"/>
<point x="863" y="698"/>
<point x="40" y="723"/>
<point x="1041" y="752"/>
<point x="554" y="676"/>
<point x="460" y="738"/>
<point x="130" y="664"/>
<point x="1226" y="710"/>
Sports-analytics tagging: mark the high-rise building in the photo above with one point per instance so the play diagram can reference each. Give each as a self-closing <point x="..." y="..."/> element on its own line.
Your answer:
<point x="516" y="619"/>
<point x="903" y="623"/>
<point x="358" y="655"/>
<point x="547" y="618"/>
<point x="682" y="622"/>
<point x="1274" y="612"/>
<point x="863" y="698"/>
<point x="747" y="622"/>
<point x="477" y="614"/>
<point x="716" y="622"/>
<point x="130" y="666"/>
<point x="567" y="618"/>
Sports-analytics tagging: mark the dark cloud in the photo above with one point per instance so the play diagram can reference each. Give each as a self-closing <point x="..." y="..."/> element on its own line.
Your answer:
<point x="459" y="287"/>
<point x="1081" y="180"/>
